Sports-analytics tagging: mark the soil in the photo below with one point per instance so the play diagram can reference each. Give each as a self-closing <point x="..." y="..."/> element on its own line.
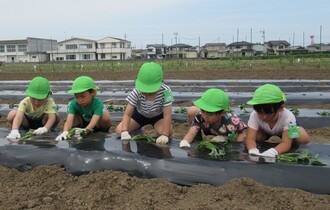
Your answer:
<point x="50" y="187"/>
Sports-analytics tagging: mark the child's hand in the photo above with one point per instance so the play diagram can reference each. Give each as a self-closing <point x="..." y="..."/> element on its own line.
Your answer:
<point x="184" y="143"/>
<point x="14" y="134"/>
<point x="40" y="131"/>
<point x="162" y="139"/>
<point x="269" y="153"/>
<point x="125" y="135"/>
<point x="62" y="136"/>
<point x="254" y="151"/>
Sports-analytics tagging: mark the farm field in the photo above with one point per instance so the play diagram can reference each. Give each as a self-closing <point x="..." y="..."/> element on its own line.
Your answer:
<point x="49" y="187"/>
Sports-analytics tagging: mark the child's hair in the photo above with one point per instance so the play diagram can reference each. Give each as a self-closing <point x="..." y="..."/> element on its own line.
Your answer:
<point x="268" y="108"/>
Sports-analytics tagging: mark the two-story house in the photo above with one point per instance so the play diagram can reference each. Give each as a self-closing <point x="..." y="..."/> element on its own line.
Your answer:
<point x="111" y="48"/>
<point x="240" y="49"/>
<point x="156" y="51"/>
<point x="278" y="47"/>
<point x="182" y="51"/>
<point x="214" y="50"/>
<point x="26" y="50"/>
<point x="74" y="49"/>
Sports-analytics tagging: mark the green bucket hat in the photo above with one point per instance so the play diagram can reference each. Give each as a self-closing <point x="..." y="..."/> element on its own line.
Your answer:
<point x="213" y="100"/>
<point x="149" y="78"/>
<point x="38" y="88"/>
<point x="267" y="94"/>
<point x="81" y="84"/>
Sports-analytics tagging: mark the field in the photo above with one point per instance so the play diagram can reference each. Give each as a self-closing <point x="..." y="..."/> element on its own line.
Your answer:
<point x="49" y="187"/>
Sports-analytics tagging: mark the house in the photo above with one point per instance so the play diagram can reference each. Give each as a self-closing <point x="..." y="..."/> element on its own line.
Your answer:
<point x="156" y="51"/>
<point x="26" y="50"/>
<point x="276" y="47"/>
<point x="240" y="49"/>
<point x="182" y="51"/>
<point x="74" y="49"/>
<point x="111" y="48"/>
<point x="318" y="47"/>
<point x="213" y="50"/>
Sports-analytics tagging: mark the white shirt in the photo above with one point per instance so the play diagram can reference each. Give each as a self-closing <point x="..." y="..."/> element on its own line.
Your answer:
<point x="285" y="118"/>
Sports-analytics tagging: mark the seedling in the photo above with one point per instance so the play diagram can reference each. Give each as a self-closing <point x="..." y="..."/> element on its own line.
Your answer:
<point x="295" y="111"/>
<point x="243" y="107"/>
<point x="181" y="110"/>
<point x="144" y="137"/>
<point x="301" y="158"/>
<point x="79" y="133"/>
<point x="116" y="108"/>
<point x="324" y="113"/>
<point x="212" y="150"/>
<point x="28" y="135"/>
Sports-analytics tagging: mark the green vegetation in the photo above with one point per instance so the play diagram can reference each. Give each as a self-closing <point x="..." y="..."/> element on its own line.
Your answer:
<point x="301" y="158"/>
<point x="144" y="137"/>
<point x="306" y="61"/>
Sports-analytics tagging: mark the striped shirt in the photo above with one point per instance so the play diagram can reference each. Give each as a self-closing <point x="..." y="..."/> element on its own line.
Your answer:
<point x="153" y="108"/>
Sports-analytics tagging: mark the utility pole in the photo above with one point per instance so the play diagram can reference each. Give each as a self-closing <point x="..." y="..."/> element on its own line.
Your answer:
<point x="176" y="42"/>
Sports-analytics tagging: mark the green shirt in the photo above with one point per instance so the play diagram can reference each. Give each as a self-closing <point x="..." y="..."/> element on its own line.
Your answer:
<point x="95" y="108"/>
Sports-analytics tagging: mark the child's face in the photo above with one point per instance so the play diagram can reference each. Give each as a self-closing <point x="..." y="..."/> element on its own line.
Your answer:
<point x="268" y="117"/>
<point x="85" y="98"/>
<point x="37" y="102"/>
<point x="211" y="117"/>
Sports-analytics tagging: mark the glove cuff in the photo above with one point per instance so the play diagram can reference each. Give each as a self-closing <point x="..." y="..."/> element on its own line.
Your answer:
<point x="14" y="131"/>
<point x="274" y="151"/>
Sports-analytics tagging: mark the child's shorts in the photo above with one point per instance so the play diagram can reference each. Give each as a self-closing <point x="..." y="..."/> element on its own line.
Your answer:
<point x="35" y="123"/>
<point x="142" y="120"/>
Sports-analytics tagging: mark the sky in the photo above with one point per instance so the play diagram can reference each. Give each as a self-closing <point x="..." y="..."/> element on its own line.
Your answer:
<point x="193" y="22"/>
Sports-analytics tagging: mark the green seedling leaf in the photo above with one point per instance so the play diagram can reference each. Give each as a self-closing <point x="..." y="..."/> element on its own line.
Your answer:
<point x="28" y="135"/>
<point x="144" y="137"/>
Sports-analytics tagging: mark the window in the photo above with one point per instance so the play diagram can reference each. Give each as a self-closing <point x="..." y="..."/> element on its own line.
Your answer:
<point x="11" y="48"/>
<point x="86" y="46"/>
<point x="21" y="48"/>
<point x="102" y="45"/>
<point x="102" y="56"/>
<point x="70" y="57"/>
<point x="2" y="48"/>
<point x="34" y="56"/>
<point x="113" y="45"/>
<point x="114" y="57"/>
<point x="59" y="58"/>
<point x="86" y="56"/>
<point x="71" y="46"/>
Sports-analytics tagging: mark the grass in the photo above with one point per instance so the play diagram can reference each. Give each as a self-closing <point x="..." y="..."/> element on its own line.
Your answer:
<point x="283" y="63"/>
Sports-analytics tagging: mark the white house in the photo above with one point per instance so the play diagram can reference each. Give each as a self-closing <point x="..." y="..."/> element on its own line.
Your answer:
<point x="111" y="48"/>
<point x="74" y="49"/>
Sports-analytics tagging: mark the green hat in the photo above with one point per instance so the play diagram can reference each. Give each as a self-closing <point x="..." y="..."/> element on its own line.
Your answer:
<point x="213" y="100"/>
<point x="38" y="88"/>
<point x="149" y="78"/>
<point x="82" y="84"/>
<point x="267" y="94"/>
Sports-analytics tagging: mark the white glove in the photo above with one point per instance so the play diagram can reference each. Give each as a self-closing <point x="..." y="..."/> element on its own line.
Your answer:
<point x="62" y="136"/>
<point x="162" y="139"/>
<point x="269" y="153"/>
<point x="40" y="131"/>
<point x="219" y="139"/>
<point x="254" y="151"/>
<point x="184" y="143"/>
<point x="14" y="134"/>
<point x="125" y="135"/>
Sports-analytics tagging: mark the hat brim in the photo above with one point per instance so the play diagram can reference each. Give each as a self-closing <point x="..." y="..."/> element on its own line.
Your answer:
<point x="147" y="88"/>
<point x="81" y="90"/>
<point x="200" y="104"/>
<point x="36" y="96"/>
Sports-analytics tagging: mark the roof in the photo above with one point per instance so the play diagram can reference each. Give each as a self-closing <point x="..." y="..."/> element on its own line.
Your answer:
<point x="278" y="42"/>
<point x="156" y="45"/>
<point x="180" y="46"/>
<point x="76" y="38"/>
<point x="242" y="43"/>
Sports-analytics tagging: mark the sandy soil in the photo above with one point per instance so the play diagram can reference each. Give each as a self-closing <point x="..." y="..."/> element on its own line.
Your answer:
<point x="50" y="187"/>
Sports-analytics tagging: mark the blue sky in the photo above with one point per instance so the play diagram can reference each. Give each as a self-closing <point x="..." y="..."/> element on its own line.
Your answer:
<point x="142" y="22"/>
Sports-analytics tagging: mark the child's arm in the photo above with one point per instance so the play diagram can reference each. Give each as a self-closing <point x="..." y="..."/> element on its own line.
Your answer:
<point x="251" y="144"/>
<point x="127" y="118"/>
<point x="67" y="126"/>
<point x="167" y="113"/>
<point x="189" y="137"/>
<point x="285" y="144"/>
<point x="50" y="121"/>
<point x="17" y="120"/>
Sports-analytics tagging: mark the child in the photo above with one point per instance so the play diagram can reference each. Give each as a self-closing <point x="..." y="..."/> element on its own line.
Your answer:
<point x="214" y="119"/>
<point x="150" y="102"/>
<point x="36" y="111"/>
<point x="86" y="110"/>
<point x="270" y="118"/>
